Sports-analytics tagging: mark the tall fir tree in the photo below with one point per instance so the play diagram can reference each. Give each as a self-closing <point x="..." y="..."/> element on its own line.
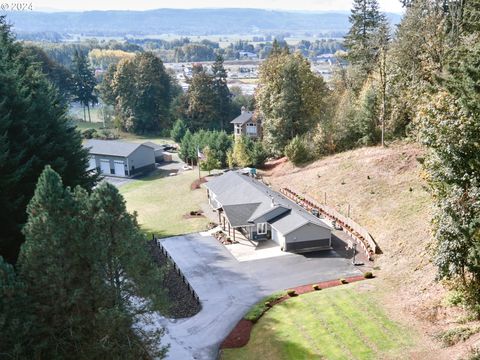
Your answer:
<point x="202" y="101"/>
<point x="34" y="131"/>
<point x="84" y="82"/>
<point x="83" y="261"/>
<point x="223" y="96"/>
<point x="360" y="41"/>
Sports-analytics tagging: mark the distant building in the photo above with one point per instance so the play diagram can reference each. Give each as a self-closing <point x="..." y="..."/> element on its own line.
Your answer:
<point x="247" y="55"/>
<point x="247" y="124"/>
<point x="120" y="158"/>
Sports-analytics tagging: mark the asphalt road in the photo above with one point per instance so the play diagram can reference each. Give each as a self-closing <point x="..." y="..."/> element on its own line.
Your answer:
<point x="228" y="288"/>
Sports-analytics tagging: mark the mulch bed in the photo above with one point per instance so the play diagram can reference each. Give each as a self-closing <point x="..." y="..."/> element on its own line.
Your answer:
<point x="180" y="300"/>
<point x="240" y="335"/>
<point x="196" y="184"/>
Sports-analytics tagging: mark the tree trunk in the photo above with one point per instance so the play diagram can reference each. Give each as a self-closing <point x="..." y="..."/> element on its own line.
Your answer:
<point x="89" y="117"/>
<point x="84" y="115"/>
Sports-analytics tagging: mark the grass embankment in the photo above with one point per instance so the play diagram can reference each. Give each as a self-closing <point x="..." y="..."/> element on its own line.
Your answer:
<point x="161" y="202"/>
<point x="338" y="323"/>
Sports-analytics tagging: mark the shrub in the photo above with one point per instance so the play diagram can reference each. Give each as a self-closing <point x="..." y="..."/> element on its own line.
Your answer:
<point x="453" y="336"/>
<point x="316" y="287"/>
<point x="368" y="275"/>
<point x="89" y="133"/>
<point x="296" y="151"/>
<point x="259" y="308"/>
<point x="291" y="293"/>
<point x="344" y="281"/>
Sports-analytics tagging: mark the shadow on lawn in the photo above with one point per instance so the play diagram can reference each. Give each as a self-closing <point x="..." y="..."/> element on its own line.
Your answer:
<point x="267" y="342"/>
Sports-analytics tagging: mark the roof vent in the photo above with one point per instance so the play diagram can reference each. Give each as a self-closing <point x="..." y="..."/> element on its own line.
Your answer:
<point x="273" y="201"/>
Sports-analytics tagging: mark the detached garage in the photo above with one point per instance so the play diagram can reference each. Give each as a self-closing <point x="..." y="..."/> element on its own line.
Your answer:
<point x="120" y="158"/>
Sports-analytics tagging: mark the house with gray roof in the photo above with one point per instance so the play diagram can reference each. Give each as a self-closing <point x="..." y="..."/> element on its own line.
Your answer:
<point x="247" y="124"/>
<point x="260" y="213"/>
<point x="120" y="158"/>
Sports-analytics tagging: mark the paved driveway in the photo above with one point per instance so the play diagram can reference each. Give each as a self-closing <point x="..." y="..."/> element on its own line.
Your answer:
<point x="228" y="288"/>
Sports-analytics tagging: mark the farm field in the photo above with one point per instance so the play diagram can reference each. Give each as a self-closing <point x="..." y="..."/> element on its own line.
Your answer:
<point x="161" y="202"/>
<point x="338" y="323"/>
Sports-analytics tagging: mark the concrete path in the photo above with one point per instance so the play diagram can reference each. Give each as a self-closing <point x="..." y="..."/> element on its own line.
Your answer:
<point x="228" y="288"/>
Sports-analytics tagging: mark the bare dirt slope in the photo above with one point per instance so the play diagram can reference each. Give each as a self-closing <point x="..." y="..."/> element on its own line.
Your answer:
<point x="387" y="195"/>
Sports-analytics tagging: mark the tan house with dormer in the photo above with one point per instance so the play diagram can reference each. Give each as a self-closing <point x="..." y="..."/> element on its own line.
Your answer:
<point x="247" y="124"/>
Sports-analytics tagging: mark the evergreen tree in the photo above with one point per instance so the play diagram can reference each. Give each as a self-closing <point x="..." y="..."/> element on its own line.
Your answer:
<point x="202" y="101"/>
<point x="84" y="82"/>
<point x="222" y="93"/>
<point x="83" y="260"/>
<point x="188" y="151"/>
<point x="178" y="131"/>
<point x="50" y="264"/>
<point x="365" y="19"/>
<point x="34" y="131"/>
<point x="15" y="315"/>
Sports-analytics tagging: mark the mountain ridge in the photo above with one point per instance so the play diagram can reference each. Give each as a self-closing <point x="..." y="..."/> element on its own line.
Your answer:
<point x="183" y="22"/>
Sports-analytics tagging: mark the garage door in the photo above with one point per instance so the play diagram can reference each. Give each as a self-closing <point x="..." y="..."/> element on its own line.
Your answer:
<point x="308" y="245"/>
<point x="275" y="236"/>
<point x="105" y="166"/>
<point x="92" y="164"/>
<point x="119" y="168"/>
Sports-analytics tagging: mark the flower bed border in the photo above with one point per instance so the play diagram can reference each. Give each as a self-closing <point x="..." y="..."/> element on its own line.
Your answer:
<point x="240" y="335"/>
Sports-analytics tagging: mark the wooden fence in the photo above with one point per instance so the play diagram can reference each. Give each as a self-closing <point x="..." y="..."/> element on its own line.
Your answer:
<point x="164" y="251"/>
<point x="349" y="226"/>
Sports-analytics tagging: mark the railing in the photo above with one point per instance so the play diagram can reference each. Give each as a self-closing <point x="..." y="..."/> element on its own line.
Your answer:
<point x="348" y="225"/>
<point x="164" y="251"/>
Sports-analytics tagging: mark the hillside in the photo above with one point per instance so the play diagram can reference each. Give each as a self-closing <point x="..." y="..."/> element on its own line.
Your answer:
<point x="386" y="193"/>
<point x="182" y="22"/>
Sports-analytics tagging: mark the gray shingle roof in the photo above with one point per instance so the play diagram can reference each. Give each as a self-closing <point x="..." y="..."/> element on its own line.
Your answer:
<point x="238" y="215"/>
<point x="153" y="145"/>
<point x="243" y="118"/>
<point x="111" y="147"/>
<point x="234" y="189"/>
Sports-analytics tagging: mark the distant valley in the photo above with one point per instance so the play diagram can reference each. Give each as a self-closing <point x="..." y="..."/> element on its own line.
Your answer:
<point x="184" y="22"/>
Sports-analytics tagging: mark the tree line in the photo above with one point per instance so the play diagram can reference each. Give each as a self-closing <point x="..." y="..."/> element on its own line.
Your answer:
<point x="73" y="262"/>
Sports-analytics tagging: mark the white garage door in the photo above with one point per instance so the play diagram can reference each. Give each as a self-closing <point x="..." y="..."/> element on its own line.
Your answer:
<point x="275" y="236"/>
<point x="119" y="168"/>
<point x="92" y="164"/>
<point x="105" y="166"/>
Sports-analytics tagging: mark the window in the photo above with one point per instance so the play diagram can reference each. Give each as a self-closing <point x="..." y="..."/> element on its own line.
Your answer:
<point x="251" y="128"/>
<point x="261" y="228"/>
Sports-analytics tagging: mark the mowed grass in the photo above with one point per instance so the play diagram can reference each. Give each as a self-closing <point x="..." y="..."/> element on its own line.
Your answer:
<point x="161" y="202"/>
<point x="337" y="323"/>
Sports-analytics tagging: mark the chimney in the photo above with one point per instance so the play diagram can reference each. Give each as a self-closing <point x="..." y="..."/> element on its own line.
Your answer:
<point x="244" y="109"/>
<point x="272" y="200"/>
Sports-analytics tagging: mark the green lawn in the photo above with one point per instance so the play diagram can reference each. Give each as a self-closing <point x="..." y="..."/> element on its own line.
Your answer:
<point x="161" y="201"/>
<point x="338" y="323"/>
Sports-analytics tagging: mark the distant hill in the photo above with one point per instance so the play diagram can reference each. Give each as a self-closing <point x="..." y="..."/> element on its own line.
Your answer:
<point x="182" y="22"/>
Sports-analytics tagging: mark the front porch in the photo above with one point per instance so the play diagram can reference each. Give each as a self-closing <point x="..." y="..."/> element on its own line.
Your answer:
<point x="246" y="248"/>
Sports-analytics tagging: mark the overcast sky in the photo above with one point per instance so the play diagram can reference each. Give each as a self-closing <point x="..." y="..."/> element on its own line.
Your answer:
<point x="314" y="5"/>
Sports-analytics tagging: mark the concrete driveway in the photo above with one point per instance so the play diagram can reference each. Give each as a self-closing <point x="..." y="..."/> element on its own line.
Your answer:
<point x="228" y="288"/>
